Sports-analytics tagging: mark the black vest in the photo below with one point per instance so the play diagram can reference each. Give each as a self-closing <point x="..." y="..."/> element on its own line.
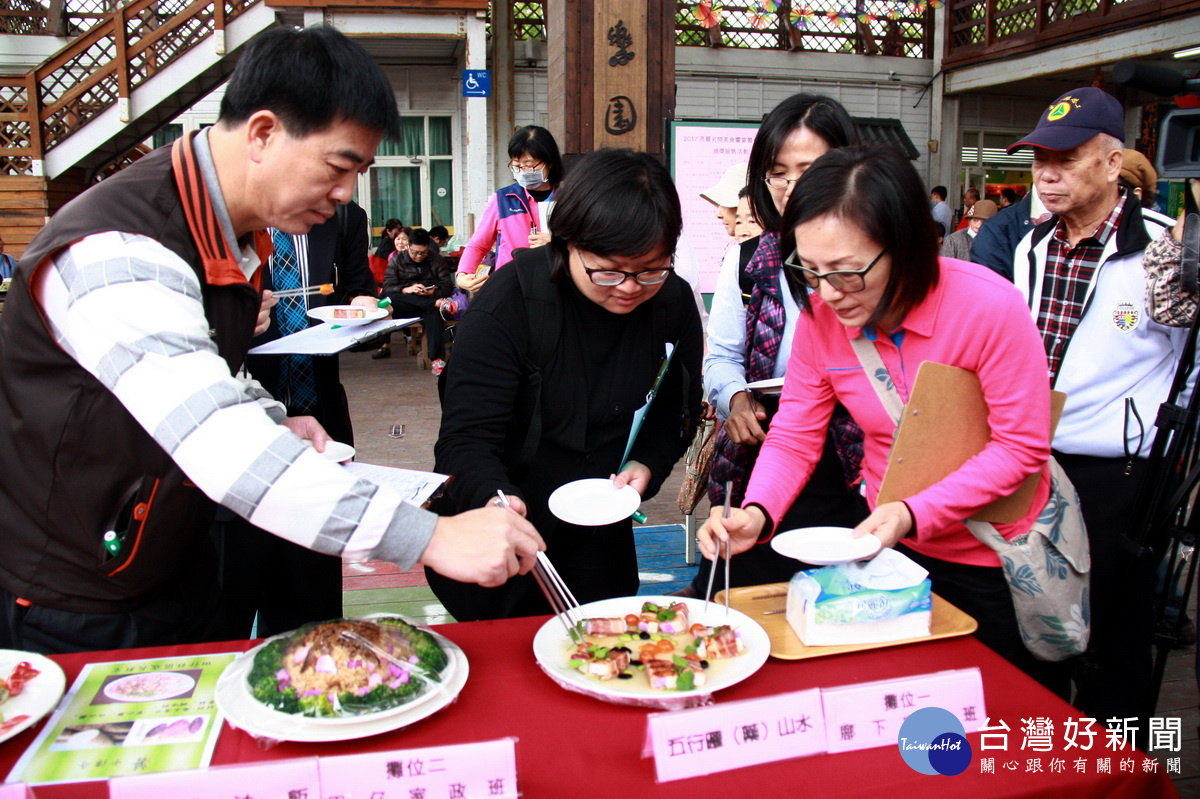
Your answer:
<point x="75" y="463"/>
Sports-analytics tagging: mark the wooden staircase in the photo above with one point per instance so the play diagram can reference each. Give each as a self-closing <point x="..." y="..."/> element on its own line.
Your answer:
<point x="91" y="105"/>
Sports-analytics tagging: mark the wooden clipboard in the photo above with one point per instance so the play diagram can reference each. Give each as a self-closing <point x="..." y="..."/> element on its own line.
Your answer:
<point x="945" y="424"/>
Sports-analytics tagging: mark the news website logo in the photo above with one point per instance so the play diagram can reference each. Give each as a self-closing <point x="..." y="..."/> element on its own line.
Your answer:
<point x="933" y="741"/>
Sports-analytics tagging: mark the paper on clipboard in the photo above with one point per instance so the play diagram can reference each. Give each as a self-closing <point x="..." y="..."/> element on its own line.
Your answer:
<point x="330" y="339"/>
<point x="416" y="487"/>
<point x="945" y="423"/>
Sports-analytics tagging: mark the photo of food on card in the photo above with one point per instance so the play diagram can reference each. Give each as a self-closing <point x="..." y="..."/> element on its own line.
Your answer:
<point x="347" y="314"/>
<point x="651" y="651"/>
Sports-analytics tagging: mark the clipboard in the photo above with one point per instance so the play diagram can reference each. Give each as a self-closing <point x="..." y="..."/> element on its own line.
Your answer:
<point x="944" y="425"/>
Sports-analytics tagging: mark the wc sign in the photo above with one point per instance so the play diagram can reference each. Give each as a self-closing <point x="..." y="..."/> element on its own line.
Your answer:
<point x="477" y="83"/>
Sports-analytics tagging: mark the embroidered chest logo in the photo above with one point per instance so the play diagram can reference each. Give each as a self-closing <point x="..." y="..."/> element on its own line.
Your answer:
<point x="1126" y="316"/>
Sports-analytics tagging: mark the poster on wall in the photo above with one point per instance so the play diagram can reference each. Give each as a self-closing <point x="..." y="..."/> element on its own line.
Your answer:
<point x="700" y="151"/>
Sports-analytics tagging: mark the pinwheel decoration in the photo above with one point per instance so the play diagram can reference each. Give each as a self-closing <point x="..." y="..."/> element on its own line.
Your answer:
<point x="708" y="16"/>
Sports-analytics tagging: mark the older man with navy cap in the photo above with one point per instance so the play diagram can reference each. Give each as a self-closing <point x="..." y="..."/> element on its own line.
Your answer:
<point x="1081" y="272"/>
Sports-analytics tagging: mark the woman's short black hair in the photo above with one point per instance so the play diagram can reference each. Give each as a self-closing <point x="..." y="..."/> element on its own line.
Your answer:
<point x="879" y="190"/>
<point x="615" y="202"/>
<point x="310" y="79"/>
<point x="540" y="144"/>
<point x="392" y="224"/>
<point x="822" y="115"/>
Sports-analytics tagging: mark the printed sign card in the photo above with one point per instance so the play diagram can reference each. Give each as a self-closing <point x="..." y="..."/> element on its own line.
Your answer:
<point x="130" y="717"/>
<point x="481" y="769"/>
<point x="867" y="715"/>
<point x="689" y="743"/>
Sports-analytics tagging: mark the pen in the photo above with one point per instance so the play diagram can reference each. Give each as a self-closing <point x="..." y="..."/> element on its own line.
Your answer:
<point x="112" y="543"/>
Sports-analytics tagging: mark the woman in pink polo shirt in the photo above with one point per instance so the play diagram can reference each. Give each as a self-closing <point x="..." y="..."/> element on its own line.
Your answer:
<point x="860" y="239"/>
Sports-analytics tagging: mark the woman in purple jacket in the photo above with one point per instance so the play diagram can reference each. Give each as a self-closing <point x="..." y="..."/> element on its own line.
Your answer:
<point x="517" y="215"/>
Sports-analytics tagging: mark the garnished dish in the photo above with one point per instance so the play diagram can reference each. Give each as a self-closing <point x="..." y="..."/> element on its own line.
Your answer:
<point x="652" y="651"/>
<point x="30" y="687"/>
<point x="349" y="667"/>
<point x="341" y="679"/>
<point x="10" y="687"/>
<point x="344" y="315"/>
<point x="149" y="687"/>
<point x="659" y="643"/>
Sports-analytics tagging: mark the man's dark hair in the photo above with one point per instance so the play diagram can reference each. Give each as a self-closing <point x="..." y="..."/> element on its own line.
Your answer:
<point x="419" y="236"/>
<point x="971" y="191"/>
<point x="439" y="232"/>
<point x="824" y="116"/>
<point x="540" y="144"/>
<point x="615" y="202"/>
<point x="940" y="191"/>
<point x="879" y="190"/>
<point x="310" y="79"/>
<point x="1010" y="195"/>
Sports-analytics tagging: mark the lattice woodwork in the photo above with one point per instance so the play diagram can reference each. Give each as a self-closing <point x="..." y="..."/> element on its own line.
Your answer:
<point x="529" y="20"/>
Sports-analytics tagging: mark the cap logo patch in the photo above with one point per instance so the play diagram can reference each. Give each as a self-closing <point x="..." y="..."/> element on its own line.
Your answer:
<point x="1061" y="109"/>
<point x="1126" y="315"/>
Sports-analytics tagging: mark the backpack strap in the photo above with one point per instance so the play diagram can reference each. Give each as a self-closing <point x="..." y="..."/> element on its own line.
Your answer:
<point x="544" y="313"/>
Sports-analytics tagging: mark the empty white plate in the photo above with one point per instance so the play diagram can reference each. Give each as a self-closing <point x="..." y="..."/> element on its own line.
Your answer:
<point x="336" y="451"/>
<point x="594" y="502"/>
<point x="824" y="546"/>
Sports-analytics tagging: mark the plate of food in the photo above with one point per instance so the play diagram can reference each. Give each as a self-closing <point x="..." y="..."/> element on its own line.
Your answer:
<point x="30" y="687"/>
<point x="825" y="546"/>
<point x="153" y="686"/>
<point x="343" y="315"/>
<point x="594" y="502"/>
<point x="342" y="679"/>
<point x="652" y="651"/>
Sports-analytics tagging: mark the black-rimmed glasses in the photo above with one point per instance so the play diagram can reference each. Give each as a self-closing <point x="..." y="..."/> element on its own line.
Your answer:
<point x="515" y="167"/>
<point x="615" y="277"/>
<point x="847" y="281"/>
<point x="779" y="181"/>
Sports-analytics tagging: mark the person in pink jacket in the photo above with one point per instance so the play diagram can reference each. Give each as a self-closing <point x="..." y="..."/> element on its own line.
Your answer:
<point x="865" y="256"/>
<point x="517" y="215"/>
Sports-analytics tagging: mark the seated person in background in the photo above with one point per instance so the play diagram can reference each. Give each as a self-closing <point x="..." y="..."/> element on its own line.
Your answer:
<point x="959" y="243"/>
<point x="387" y="242"/>
<point x="439" y="236"/>
<point x="418" y="282"/>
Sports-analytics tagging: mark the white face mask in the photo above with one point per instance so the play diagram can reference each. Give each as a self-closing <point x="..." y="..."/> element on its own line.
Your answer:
<point x="529" y="180"/>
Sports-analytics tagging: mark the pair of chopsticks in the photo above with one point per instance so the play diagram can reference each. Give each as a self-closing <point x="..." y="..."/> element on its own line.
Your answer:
<point x="728" y="553"/>
<point x="420" y="671"/>
<point x="561" y="600"/>
<point x="324" y="288"/>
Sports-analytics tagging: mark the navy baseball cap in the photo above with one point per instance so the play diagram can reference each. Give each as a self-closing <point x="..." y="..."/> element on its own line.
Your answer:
<point x="1074" y="118"/>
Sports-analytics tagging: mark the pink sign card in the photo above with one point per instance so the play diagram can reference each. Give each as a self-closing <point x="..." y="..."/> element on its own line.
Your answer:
<point x="701" y="151"/>
<point x="15" y="790"/>
<point x="486" y="769"/>
<point x="867" y="715"/>
<point x="283" y="779"/>
<point x="704" y="740"/>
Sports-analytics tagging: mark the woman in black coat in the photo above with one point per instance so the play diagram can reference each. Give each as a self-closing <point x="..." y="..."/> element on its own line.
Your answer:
<point x="550" y="363"/>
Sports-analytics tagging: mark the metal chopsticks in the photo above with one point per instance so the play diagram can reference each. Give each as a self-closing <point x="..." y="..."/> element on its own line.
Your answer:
<point x="728" y="553"/>
<point x="562" y="601"/>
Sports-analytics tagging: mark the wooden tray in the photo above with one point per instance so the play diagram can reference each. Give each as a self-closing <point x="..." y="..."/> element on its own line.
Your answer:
<point x="758" y="602"/>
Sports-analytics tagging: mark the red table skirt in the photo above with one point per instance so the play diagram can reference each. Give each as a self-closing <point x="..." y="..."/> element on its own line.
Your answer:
<point x="572" y="745"/>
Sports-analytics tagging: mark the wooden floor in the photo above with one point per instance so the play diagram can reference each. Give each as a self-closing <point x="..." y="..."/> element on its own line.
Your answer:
<point x="393" y="391"/>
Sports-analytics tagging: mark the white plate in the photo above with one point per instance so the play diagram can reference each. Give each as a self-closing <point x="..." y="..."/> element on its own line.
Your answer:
<point x="337" y="451"/>
<point x="325" y="314"/>
<point x="38" y="697"/>
<point x="594" y="502"/>
<point x="552" y="647"/>
<point x="152" y="686"/>
<point x="245" y="712"/>
<point x="772" y="386"/>
<point x="825" y="546"/>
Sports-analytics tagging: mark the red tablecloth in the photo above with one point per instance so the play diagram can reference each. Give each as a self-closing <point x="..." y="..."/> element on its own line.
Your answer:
<point x="571" y="745"/>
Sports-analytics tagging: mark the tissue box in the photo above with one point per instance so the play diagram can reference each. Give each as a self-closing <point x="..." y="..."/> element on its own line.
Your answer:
<point x="888" y="600"/>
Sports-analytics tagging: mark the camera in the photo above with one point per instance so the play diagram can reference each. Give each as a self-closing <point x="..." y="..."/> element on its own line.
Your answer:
<point x="1179" y="138"/>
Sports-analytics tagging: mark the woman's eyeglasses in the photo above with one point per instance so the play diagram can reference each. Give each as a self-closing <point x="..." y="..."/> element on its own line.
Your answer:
<point x="515" y="167"/>
<point x="846" y="281"/>
<point x="615" y="277"/>
<point x="779" y="181"/>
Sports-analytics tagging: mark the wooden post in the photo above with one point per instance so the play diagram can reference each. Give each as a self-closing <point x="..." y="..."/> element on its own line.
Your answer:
<point x="611" y="74"/>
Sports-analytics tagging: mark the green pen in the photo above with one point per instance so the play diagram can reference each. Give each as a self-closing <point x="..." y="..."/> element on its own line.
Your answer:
<point x="112" y="543"/>
<point x="639" y="517"/>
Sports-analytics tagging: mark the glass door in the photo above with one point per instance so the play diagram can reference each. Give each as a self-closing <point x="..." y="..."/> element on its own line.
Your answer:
<point x="413" y="179"/>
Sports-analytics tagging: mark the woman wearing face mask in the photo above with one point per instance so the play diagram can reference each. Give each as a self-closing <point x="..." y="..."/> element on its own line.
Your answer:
<point x="518" y="215"/>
